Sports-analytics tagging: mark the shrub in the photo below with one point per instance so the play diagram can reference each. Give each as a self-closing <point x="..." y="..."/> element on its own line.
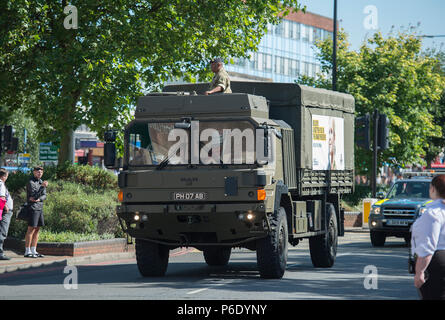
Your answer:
<point x="71" y="207"/>
<point x="80" y="200"/>
<point x="68" y="236"/>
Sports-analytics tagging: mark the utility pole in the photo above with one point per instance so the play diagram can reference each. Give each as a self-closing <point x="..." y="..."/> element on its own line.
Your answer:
<point x="334" y="50"/>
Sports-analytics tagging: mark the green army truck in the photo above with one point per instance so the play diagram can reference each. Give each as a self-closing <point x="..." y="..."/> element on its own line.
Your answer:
<point x="260" y="168"/>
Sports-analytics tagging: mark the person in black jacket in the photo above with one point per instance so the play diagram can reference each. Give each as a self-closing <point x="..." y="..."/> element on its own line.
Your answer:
<point x="35" y="195"/>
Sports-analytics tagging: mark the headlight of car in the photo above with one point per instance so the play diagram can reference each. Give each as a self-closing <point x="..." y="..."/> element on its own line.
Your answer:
<point x="422" y="211"/>
<point x="375" y="210"/>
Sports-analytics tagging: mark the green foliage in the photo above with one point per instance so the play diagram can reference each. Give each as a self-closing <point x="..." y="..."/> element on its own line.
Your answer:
<point x="94" y="74"/>
<point x="391" y="75"/>
<point x="68" y="236"/>
<point x="71" y="207"/>
<point x="80" y="200"/>
<point x="88" y="176"/>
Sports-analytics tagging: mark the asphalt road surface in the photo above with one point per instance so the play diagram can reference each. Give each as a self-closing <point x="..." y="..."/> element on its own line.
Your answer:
<point x="361" y="272"/>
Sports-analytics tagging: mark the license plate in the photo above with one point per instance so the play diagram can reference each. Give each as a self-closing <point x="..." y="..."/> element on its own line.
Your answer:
<point x="397" y="222"/>
<point x="189" y="196"/>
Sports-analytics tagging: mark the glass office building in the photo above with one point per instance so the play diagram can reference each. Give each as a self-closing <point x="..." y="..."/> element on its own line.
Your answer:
<point x="286" y="51"/>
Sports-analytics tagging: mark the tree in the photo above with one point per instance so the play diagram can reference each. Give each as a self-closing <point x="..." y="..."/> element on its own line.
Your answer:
<point x="393" y="76"/>
<point x="437" y="143"/>
<point x="66" y="71"/>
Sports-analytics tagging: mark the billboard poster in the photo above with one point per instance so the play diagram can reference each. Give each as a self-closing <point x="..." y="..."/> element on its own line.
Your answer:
<point x="328" y="143"/>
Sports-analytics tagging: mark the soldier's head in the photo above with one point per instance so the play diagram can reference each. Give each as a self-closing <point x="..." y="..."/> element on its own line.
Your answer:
<point x="216" y="64"/>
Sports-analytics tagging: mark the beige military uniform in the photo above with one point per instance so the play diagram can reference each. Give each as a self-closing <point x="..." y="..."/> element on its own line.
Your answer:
<point x="221" y="78"/>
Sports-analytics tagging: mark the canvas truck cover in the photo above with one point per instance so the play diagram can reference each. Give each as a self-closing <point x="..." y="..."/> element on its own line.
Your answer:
<point x="322" y="120"/>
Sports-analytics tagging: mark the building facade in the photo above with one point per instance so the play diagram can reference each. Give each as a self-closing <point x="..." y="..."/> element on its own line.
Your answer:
<point x="287" y="50"/>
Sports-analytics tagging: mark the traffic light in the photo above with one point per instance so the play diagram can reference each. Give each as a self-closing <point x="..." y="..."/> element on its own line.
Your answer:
<point x="9" y="142"/>
<point x="362" y="135"/>
<point x="383" y="132"/>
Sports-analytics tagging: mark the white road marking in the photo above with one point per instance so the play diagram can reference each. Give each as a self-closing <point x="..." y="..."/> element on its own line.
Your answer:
<point x="370" y="254"/>
<point x="210" y="286"/>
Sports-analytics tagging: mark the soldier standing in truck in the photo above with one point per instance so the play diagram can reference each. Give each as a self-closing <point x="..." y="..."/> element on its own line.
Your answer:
<point x="220" y="81"/>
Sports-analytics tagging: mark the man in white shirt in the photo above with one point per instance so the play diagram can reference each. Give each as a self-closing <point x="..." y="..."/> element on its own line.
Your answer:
<point x="428" y="243"/>
<point x="7" y="211"/>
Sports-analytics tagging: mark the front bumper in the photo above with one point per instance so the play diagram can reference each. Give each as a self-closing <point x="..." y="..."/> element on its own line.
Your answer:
<point x="186" y="224"/>
<point x="381" y="223"/>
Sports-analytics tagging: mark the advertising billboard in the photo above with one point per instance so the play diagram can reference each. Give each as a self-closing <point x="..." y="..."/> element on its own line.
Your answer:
<point x="328" y="143"/>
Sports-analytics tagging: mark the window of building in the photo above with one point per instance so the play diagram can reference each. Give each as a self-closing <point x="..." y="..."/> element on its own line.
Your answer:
<point x="295" y="68"/>
<point x="316" y="34"/>
<point x="306" y="33"/>
<point x="314" y="70"/>
<point x="262" y="62"/>
<point x="279" y="65"/>
<point x="279" y="30"/>
<point x="286" y="26"/>
<point x="327" y="35"/>
<point x="267" y="62"/>
<point x="306" y="68"/>
<point x="295" y="31"/>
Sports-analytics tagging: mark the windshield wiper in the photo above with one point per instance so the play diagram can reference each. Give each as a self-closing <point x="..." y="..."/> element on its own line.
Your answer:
<point x="166" y="161"/>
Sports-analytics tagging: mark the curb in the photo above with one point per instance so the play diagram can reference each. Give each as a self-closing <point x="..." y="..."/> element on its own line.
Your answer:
<point x="67" y="261"/>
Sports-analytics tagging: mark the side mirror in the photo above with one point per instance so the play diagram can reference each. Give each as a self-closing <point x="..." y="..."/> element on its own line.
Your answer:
<point x="380" y="195"/>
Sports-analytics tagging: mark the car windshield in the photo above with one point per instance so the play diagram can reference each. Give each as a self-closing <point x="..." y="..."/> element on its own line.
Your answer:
<point x="213" y="142"/>
<point x="409" y="189"/>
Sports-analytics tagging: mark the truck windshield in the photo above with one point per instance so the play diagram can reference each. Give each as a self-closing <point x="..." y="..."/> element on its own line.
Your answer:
<point x="409" y="189"/>
<point x="205" y="142"/>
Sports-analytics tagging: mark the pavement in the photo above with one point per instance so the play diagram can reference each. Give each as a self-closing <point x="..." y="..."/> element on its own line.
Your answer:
<point x="18" y="262"/>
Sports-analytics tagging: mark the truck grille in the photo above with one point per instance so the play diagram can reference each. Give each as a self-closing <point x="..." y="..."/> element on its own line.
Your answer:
<point x="408" y="213"/>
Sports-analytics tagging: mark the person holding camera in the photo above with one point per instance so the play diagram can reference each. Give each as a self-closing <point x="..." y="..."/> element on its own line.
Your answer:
<point x="428" y="244"/>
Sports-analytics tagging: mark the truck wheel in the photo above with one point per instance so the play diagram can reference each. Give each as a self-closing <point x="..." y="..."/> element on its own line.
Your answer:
<point x="152" y="258"/>
<point x="217" y="256"/>
<point x="272" y="250"/>
<point x="377" y="238"/>
<point x="323" y="248"/>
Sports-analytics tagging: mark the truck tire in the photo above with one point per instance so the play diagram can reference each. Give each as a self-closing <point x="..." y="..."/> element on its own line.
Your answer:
<point x="272" y="250"/>
<point x="217" y="256"/>
<point x="152" y="258"/>
<point x="378" y="238"/>
<point x="323" y="248"/>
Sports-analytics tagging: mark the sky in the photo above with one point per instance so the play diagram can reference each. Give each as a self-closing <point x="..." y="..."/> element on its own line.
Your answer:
<point x="398" y="13"/>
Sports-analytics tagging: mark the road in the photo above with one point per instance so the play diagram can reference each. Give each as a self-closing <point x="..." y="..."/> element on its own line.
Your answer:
<point x="188" y="277"/>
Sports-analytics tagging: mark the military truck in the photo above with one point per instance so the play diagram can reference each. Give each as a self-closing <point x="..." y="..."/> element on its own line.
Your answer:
<point x="287" y="188"/>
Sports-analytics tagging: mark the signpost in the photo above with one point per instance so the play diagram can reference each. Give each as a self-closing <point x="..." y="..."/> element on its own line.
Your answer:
<point x="48" y="152"/>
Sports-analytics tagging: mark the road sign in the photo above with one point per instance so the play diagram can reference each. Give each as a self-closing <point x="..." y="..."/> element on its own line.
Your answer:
<point x="24" y="157"/>
<point x="48" y="152"/>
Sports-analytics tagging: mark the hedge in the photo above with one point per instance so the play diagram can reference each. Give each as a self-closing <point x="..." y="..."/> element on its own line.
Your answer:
<point x="80" y="200"/>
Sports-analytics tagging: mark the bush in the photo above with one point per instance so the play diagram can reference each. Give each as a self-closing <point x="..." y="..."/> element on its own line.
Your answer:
<point x="80" y="200"/>
<point x="68" y="236"/>
<point x="73" y="207"/>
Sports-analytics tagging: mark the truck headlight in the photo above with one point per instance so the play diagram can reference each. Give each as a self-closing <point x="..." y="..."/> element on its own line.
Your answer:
<point x="375" y="210"/>
<point x="422" y="211"/>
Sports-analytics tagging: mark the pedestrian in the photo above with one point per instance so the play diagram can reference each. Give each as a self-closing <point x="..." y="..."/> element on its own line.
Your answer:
<point x="7" y="211"/>
<point x="35" y="195"/>
<point x="428" y="244"/>
<point x="221" y="80"/>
